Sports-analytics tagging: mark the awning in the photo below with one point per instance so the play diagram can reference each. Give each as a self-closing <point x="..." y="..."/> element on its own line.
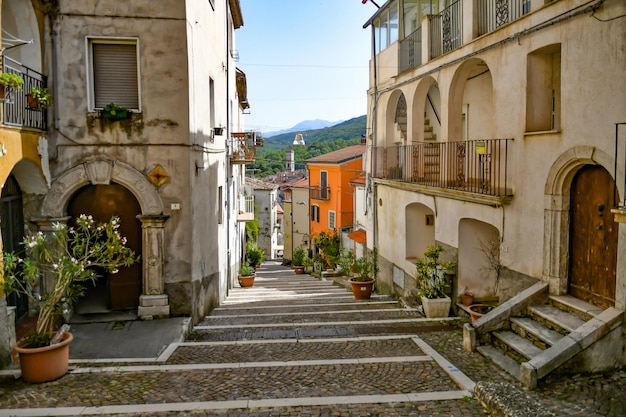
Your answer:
<point x="359" y="236"/>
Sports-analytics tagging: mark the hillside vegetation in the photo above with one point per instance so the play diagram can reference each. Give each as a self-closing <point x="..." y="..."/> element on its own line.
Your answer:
<point x="271" y="157"/>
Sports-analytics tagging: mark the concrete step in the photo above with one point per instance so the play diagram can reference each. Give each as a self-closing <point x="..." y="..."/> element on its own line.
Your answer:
<point x="503" y="361"/>
<point x="554" y="318"/>
<point x="516" y="346"/>
<point x="538" y="333"/>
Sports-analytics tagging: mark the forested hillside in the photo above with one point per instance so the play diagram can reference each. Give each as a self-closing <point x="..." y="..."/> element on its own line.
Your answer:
<point x="271" y="157"/>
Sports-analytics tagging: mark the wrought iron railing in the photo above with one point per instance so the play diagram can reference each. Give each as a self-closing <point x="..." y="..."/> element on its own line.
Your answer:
<point x="411" y="51"/>
<point x="446" y="30"/>
<point x="475" y="166"/>
<point x="16" y="111"/>
<point x="494" y="13"/>
<point x="319" y="193"/>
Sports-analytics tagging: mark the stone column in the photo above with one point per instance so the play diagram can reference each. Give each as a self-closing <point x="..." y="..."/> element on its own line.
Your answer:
<point x="152" y="302"/>
<point x="620" y="278"/>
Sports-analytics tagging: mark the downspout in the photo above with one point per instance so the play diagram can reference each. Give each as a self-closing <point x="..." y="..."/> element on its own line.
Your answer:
<point x="374" y="139"/>
<point x="229" y="181"/>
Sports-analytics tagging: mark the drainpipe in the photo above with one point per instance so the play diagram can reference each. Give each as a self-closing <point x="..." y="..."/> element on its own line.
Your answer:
<point x="229" y="181"/>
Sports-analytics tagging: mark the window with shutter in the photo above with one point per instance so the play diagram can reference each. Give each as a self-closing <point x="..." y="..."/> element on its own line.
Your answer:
<point x="331" y="220"/>
<point x="114" y="72"/>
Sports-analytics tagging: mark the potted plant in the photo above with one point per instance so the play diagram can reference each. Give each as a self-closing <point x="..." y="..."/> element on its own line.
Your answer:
<point x="246" y="276"/>
<point x="330" y="246"/>
<point x="467" y="298"/>
<point x="364" y="274"/>
<point x="68" y="255"/>
<point x="298" y="260"/>
<point x="114" y="111"/>
<point x="11" y="81"/>
<point x="254" y="255"/>
<point x="432" y="279"/>
<point x="308" y="264"/>
<point x="39" y="98"/>
<point x="346" y="262"/>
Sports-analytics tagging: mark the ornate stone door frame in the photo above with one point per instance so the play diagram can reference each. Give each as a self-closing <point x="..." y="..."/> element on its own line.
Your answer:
<point x="153" y="302"/>
<point x="557" y="212"/>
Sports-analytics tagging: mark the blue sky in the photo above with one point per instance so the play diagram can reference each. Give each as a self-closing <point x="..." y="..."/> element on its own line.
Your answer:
<point x="304" y="59"/>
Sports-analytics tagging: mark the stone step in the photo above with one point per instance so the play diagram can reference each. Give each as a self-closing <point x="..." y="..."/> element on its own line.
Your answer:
<point x="516" y="346"/>
<point x="279" y="307"/>
<point x="575" y="306"/>
<point x="556" y="319"/>
<point x="535" y="331"/>
<point x="505" y="362"/>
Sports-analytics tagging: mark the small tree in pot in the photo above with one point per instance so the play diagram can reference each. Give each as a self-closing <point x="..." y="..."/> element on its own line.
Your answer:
<point x="432" y="281"/>
<point x="69" y="255"/>
<point x="364" y="274"/>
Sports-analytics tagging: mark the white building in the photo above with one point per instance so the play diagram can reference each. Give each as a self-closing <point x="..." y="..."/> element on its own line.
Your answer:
<point x="494" y="126"/>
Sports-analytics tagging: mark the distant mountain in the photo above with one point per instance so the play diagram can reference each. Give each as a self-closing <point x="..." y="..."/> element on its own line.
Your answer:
<point x="271" y="157"/>
<point x="304" y="125"/>
<point x="348" y="130"/>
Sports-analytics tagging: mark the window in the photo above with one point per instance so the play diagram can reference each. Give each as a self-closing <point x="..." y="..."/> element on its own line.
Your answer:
<point x="315" y="213"/>
<point x="220" y="205"/>
<point x="331" y="220"/>
<point x="114" y="73"/>
<point x="324" y="185"/>
<point x="212" y="102"/>
<point x="543" y="89"/>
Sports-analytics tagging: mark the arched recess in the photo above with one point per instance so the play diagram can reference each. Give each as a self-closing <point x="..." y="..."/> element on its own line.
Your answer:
<point x="396" y="119"/>
<point x="478" y="242"/>
<point x="153" y="302"/>
<point x="420" y="230"/>
<point x="426" y="111"/>
<point x="471" y="90"/>
<point x="19" y="24"/>
<point x="557" y="211"/>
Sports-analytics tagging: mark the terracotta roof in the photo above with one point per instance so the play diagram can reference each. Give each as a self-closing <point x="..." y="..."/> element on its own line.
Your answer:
<point x="359" y="179"/>
<point x="303" y="182"/>
<point x="260" y="185"/>
<point x="339" y="156"/>
<point x="359" y="236"/>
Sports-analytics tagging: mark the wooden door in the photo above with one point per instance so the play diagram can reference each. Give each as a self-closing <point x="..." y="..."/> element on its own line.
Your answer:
<point x="12" y="225"/>
<point x="119" y="291"/>
<point x="593" y="237"/>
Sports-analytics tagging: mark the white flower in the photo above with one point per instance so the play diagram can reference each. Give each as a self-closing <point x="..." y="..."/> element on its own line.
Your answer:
<point x="115" y="271"/>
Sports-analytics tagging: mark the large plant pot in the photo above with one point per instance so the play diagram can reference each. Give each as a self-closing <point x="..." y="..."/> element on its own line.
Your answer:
<point x="299" y="269"/>
<point x="436" y="307"/>
<point x="45" y="363"/>
<point x="247" y="281"/>
<point x="476" y="311"/>
<point x="362" y="290"/>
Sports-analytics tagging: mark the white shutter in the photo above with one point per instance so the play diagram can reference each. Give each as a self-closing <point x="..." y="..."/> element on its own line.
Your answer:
<point x="115" y="74"/>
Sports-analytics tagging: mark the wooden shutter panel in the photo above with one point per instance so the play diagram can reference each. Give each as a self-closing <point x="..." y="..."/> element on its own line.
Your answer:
<point x="115" y="75"/>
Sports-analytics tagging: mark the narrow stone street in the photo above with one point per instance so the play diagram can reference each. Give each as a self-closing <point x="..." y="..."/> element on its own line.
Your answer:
<point x="293" y="345"/>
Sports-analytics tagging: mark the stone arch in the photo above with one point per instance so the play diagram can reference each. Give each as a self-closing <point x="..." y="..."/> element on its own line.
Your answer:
<point x="422" y="110"/>
<point x="152" y="302"/>
<point x="101" y="172"/>
<point x="557" y="207"/>
<point x="393" y="131"/>
<point x="482" y="97"/>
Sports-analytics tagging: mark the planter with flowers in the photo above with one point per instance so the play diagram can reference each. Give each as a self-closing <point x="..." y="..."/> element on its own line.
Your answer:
<point x="69" y="256"/>
<point x="39" y="98"/>
<point x="10" y="82"/>
<point x="433" y="279"/>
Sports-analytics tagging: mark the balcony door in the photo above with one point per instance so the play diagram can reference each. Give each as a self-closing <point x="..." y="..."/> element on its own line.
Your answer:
<point x="324" y="185"/>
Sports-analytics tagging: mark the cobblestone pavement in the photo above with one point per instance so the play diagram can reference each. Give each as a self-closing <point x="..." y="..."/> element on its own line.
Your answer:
<point x="273" y="350"/>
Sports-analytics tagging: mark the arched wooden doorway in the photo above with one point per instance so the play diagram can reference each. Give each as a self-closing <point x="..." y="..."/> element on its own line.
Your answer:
<point x="12" y="225"/>
<point x="593" y="237"/>
<point x="119" y="291"/>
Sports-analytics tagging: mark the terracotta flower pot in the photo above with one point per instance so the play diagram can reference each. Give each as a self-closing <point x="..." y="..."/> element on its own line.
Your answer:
<point x="45" y="363"/>
<point x="476" y="311"/>
<point x="362" y="290"/>
<point x="467" y="298"/>
<point x="299" y="269"/>
<point x="246" y="281"/>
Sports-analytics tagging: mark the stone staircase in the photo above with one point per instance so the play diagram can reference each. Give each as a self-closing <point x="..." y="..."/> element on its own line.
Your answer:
<point x="534" y="336"/>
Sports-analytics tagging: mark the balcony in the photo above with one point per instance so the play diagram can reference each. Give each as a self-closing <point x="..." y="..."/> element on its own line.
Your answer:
<point x="245" y="210"/>
<point x="477" y="167"/>
<point x="446" y="30"/>
<point x="410" y="54"/>
<point x="320" y="193"/>
<point x="494" y="13"/>
<point x="243" y="147"/>
<point x="16" y="111"/>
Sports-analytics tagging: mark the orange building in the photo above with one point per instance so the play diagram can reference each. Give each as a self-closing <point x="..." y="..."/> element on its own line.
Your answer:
<point x="330" y="193"/>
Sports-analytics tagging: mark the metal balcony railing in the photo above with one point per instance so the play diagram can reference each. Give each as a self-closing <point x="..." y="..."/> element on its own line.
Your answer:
<point x="319" y="193"/>
<point x="16" y="111"/>
<point x="475" y="166"/>
<point x="243" y="147"/>
<point x="494" y="13"/>
<point x="446" y="30"/>
<point x="246" y="209"/>
<point x="410" y="55"/>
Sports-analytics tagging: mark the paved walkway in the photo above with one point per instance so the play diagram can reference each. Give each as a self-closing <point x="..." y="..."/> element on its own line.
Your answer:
<point x="293" y="345"/>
